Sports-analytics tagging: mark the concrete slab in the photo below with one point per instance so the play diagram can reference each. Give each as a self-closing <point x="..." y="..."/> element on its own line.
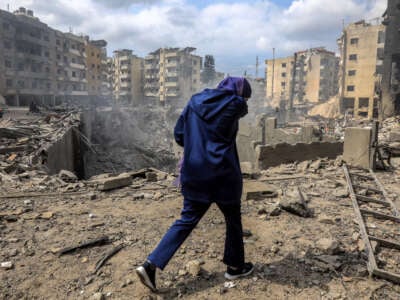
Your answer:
<point x="257" y="190"/>
<point x="111" y="183"/>
<point x="357" y="149"/>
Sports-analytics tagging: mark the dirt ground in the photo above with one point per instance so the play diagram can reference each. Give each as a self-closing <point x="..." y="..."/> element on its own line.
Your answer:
<point x="284" y="248"/>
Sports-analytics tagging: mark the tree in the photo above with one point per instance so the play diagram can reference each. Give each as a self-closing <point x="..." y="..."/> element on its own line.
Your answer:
<point x="208" y="74"/>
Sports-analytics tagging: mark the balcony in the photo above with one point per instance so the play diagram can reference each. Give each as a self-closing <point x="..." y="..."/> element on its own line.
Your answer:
<point x="79" y="93"/>
<point x="125" y="84"/>
<point x="77" y="66"/>
<point x="171" y="74"/>
<point x="124" y="67"/>
<point x="75" y="52"/>
<point x="171" y="84"/>
<point x="171" y="64"/>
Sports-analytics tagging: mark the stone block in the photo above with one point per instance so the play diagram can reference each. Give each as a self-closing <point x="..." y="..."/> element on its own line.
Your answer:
<point x="111" y="183"/>
<point x="357" y="148"/>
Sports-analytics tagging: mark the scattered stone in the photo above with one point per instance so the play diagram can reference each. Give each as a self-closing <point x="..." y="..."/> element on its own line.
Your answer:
<point x="98" y="296"/>
<point x="111" y="183"/>
<point x="151" y="176"/>
<point x="193" y="267"/>
<point x="7" y="265"/>
<point x="324" y="219"/>
<point x="341" y="193"/>
<point x="328" y="245"/>
<point x="293" y="202"/>
<point x="92" y="196"/>
<point x="276" y="211"/>
<point x="315" y="165"/>
<point x="275" y="249"/>
<point x="331" y="260"/>
<point x="13" y="252"/>
<point x="182" y="272"/>
<point x="258" y="191"/>
<point x="67" y="176"/>
<point x="46" y="215"/>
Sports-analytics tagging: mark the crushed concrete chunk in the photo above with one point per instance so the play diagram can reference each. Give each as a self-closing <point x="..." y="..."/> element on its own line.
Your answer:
<point x="111" y="183"/>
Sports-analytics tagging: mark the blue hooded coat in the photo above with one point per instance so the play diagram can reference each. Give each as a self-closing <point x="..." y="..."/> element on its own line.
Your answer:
<point x="207" y="130"/>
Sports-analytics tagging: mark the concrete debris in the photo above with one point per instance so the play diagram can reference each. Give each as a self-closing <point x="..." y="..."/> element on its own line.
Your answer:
<point x="67" y="176"/>
<point x="328" y="246"/>
<point x="194" y="267"/>
<point x="115" y="182"/>
<point x="257" y="190"/>
<point x="7" y="265"/>
<point x="294" y="202"/>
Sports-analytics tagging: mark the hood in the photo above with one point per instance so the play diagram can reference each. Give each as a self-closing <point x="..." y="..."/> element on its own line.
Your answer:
<point x="210" y="102"/>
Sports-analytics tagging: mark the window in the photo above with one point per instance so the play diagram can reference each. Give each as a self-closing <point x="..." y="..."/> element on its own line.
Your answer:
<point x="58" y="56"/>
<point x="73" y="46"/>
<point x="57" y="42"/>
<point x="98" y="55"/>
<point x="47" y="54"/>
<point x="92" y="66"/>
<point x="47" y="70"/>
<point x="59" y="71"/>
<point x="283" y="65"/>
<point x="46" y="38"/>
<point x="363" y="102"/>
<point x="20" y="67"/>
<point x="7" y="45"/>
<point x="21" y="83"/>
<point x="379" y="69"/>
<point x="354" y="41"/>
<point x="73" y="74"/>
<point x="9" y="83"/>
<point x="65" y="59"/>
<point x="7" y="64"/>
<point x="6" y="26"/>
<point x="381" y="37"/>
<point x="350" y="88"/>
<point x="352" y="72"/>
<point x="353" y="57"/>
<point x="380" y="53"/>
<point x="283" y="74"/>
<point x="73" y="60"/>
<point x="283" y="84"/>
<point x="48" y="85"/>
<point x="92" y="54"/>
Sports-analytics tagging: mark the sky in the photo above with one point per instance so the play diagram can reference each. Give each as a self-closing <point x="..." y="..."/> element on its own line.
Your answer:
<point x="234" y="32"/>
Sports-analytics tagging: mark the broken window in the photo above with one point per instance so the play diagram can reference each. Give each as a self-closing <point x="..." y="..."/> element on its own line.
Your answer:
<point x="350" y="88"/>
<point x="353" y="57"/>
<point x="283" y="74"/>
<point x="283" y="65"/>
<point x="73" y="74"/>
<point x="21" y="83"/>
<point x="354" y="41"/>
<point x="283" y="84"/>
<point x="379" y="69"/>
<point x="351" y="72"/>
<point x="348" y="103"/>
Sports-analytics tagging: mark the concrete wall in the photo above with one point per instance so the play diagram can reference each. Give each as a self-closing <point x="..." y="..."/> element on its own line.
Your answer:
<point x="64" y="153"/>
<point x="274" y="155"/>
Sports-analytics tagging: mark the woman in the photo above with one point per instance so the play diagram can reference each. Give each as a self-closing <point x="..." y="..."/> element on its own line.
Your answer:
<point x="207" y="130"/>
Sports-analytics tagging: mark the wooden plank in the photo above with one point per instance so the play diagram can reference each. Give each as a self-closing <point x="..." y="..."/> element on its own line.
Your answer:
<point x="385" y="194"/>
<point x="387" y="275"/>
<point x="369" y="199"/>
<point x="379" y="215"/>
<point x="362" y="176"/>
<point x="367" y="188"/>
<point x="384" y="242"/>
<point x="371" y="265"/>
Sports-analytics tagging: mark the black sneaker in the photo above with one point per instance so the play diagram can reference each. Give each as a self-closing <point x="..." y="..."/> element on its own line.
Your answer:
<point x="147" y="275"/>
<point x="232" y="274"/>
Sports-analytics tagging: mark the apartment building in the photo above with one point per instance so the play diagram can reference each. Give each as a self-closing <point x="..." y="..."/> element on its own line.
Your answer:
<point x="47" y="66"/>
<point x="315" y="76"/>
<point x="278" y="74"/>
<point x="390" y="87"/>
<point x="172" y="75"/>
<point x="127" y="70"/>
<point x="27" y="71"/>
<point x="362" y="51"/>
<point x="96" y="63"/>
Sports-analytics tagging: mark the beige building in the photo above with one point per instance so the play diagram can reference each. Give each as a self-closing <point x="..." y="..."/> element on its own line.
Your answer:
<point x="278" y="74"/>
<point x="97" y="70"/>
<point x="172" y="75"/>
<point x="127" y="77"/>
<point x="315" y="76"/>
<point x="361" y="46"/>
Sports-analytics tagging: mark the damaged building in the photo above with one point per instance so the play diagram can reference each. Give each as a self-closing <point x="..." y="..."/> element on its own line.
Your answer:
<point x="172" y="75"/>
<point x="307" y="76"/>
<point x="127" y="77"/>
<point x="391" y="62"/>
<point x="362" y="51"/>
<point x="44" y="65"/>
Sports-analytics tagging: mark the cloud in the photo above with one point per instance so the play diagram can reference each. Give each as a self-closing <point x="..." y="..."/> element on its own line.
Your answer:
<point x="235" y="33"/>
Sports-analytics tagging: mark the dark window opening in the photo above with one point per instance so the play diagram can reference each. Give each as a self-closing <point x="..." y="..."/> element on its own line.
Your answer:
<point x="353" y="57"/>
<point x="350" y="88"/>
<point x="352" y="72"/>
<point x="354" y="41"/>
